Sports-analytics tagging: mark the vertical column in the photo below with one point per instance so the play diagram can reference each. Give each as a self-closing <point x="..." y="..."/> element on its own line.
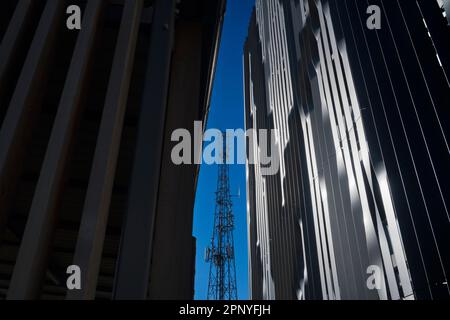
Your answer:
<point x="34" y="249"/>
<point x="133" y="265"/>
<point x="24" y="102"/>
<point x="171" y="246"/>
<point x="91" y="235"/>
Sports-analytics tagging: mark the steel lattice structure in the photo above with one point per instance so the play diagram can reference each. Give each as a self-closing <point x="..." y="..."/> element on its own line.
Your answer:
<point x="220" y="255"/>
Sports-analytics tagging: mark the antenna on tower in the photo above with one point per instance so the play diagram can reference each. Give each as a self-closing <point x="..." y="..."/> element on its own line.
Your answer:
<point x="220" y="255"/>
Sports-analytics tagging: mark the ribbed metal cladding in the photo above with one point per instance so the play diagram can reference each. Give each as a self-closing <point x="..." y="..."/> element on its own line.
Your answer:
<point x="75" y="109"/>
<point x="363" y="122"/>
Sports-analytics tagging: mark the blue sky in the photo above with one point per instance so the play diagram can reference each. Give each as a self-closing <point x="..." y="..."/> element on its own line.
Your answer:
<point x="227" y="112"/>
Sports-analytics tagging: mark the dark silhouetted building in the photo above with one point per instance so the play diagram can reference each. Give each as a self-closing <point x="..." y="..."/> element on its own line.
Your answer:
<point x="360" y="206"/>
<point x="86" y="118"/>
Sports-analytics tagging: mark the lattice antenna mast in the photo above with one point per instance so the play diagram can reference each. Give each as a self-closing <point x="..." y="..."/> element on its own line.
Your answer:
<point x="220" y="255"/>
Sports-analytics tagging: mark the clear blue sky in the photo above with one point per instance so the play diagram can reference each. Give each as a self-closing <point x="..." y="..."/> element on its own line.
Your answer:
<point x="227" y="112"/>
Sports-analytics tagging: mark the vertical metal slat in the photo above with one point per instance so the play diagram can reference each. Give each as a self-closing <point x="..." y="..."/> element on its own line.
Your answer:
<point x="133" y="269"/>
<point x="14" y="130"/>
<point x="91" y="236"/>
<point x="31" y="262"/>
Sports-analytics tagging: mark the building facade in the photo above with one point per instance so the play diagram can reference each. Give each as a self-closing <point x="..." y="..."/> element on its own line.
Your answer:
<point x="360" y="206"/>
<point x="85" y="171"/>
